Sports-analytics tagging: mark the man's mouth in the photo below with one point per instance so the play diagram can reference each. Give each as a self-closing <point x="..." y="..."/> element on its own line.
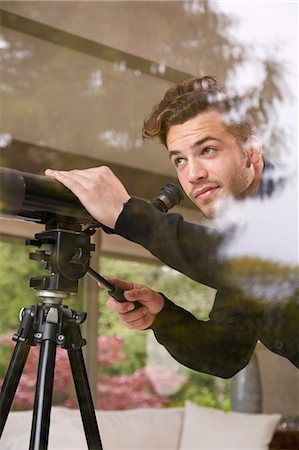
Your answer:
<point x="205" y="192"/>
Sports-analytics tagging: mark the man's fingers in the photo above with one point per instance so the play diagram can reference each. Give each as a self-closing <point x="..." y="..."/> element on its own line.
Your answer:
<point x="133" y="291"/>
<point x="133" y="316"/>
<point x="142" y="293"/>
<point x="98" y="189"/>
<point x="137" y="320"/>
<point x="73" y="180"/>
<point x="128" y="285"/>
<point x="119" y="307"/>
<point x="91" y="175"/>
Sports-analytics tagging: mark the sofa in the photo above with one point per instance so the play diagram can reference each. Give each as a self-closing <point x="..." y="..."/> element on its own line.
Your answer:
<point x="181" y="428"/>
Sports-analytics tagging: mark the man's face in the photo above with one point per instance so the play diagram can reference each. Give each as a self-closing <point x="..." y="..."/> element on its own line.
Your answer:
<point x="210" y="165"/>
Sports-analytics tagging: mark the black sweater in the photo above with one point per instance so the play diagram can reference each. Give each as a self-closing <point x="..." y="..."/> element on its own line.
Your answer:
<point x="224" y="344"/>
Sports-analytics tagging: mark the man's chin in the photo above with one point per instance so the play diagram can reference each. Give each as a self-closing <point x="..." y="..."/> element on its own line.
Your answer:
<point x="213" y="209"/>
<point x="207" y="211"/>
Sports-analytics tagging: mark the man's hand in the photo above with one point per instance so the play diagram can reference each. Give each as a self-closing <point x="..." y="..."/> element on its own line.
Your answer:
<point x="136" y="318"/>
<point x="98" y="189"/>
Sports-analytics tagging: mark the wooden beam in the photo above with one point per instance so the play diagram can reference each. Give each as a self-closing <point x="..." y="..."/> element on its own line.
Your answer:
<point x="88" y="47"/>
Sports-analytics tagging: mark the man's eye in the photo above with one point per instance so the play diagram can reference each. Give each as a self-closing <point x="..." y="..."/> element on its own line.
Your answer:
<point x="208" y="151"/>
<point x="178" y="162"/>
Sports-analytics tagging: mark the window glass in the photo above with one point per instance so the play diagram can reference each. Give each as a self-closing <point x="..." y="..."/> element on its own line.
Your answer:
<point x="76" y="83"/>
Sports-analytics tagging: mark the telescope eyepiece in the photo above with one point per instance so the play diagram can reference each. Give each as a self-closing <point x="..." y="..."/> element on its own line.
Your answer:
<point x="169" y="196"/>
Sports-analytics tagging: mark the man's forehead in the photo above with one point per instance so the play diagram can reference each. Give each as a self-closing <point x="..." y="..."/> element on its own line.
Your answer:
<point x="208" y="123"/>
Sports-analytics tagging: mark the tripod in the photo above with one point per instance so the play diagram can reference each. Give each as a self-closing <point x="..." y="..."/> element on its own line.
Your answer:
<point x="66" y="251"/>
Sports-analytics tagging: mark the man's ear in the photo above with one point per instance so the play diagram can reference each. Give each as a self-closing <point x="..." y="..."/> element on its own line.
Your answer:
<point x="254" y="150"/>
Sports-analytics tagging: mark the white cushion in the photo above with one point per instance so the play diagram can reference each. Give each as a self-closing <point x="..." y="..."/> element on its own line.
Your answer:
<point x="65" y="432"/>
<point x="208" y="428"/>
<point x="142" y="429"/>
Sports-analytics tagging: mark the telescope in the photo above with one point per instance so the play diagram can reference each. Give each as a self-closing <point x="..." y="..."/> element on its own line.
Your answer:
<point x="68" y="226"/>
<point x="37" y="198"/>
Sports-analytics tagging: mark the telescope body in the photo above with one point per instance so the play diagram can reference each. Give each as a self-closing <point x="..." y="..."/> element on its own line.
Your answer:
<point x="37" y="198"/>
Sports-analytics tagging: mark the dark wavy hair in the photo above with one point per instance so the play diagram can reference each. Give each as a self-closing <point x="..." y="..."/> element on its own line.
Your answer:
<point x="191" y="97"/>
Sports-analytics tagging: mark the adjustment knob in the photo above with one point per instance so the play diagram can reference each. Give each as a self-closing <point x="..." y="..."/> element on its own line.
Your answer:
<point x="39" y="256"/>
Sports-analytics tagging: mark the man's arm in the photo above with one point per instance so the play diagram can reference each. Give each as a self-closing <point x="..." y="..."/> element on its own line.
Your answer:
<point x="221" y="346"/>
<point x="188" y="248"/>
<point x="191" y="249"/>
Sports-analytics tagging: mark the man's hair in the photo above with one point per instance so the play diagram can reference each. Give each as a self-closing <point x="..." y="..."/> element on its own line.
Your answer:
<point x="189" y="98"/>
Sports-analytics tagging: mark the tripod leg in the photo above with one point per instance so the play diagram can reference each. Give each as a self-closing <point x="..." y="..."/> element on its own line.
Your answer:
<point x="85" y="400"/>
<point x="11" y="381"/>
<point x="43" y="396"/>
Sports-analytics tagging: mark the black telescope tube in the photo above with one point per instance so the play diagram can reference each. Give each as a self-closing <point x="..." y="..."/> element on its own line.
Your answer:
<point x="38" y="198"/>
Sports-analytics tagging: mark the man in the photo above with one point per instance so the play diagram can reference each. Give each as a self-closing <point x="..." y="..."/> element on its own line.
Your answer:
<point x="218" y="162"/>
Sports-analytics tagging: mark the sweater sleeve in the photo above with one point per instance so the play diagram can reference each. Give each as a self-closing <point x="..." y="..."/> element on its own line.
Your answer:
<point x="224" y="344"/>
<point x="221" y="346"/>
<point x="189" y="248"/>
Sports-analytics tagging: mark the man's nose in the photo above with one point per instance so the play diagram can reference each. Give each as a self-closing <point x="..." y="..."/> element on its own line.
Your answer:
<point x="196" y="171"/>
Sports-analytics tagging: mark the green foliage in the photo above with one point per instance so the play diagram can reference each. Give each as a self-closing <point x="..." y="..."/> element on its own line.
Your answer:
<point x="15" y="271"/>
<point x="205" y="390"/>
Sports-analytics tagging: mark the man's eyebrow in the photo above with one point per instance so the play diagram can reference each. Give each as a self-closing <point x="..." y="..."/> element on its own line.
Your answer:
<point x="196" y="144"/>
<point x="204" y="140"/>
<point x="173" y="153"/>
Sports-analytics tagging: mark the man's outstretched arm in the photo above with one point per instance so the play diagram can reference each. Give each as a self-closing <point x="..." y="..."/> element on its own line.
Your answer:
<point x="221" y="346"/>
<point x="188" y="248"/>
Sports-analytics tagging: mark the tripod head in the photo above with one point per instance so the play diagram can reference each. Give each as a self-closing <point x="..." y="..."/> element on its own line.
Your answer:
<point x="66" y="253"/>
